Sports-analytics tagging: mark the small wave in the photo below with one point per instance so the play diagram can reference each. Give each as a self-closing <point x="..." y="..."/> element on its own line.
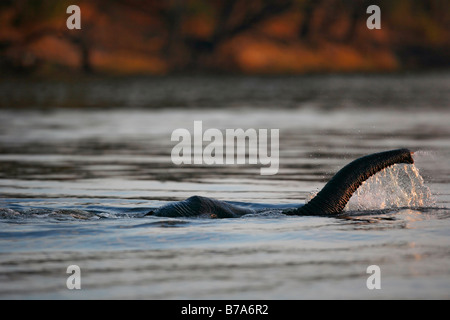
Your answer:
<point x="166" y="223"/>
<point x="66" y="213"/>
<point x="267" y="214"/>
<point x="6" y="213"/>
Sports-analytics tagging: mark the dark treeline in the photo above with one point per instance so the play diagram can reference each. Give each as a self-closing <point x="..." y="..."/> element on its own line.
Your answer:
<point x="261" y="36"/>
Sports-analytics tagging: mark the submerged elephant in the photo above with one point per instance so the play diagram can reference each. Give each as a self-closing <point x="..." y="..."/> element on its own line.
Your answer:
<point x="331" y="200"/>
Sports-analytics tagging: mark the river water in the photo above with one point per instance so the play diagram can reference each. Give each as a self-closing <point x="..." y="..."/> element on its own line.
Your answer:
<point x="83" y="161"/>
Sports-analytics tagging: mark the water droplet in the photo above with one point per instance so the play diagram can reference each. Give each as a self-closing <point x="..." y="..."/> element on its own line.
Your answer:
<point x="398" y="186"/>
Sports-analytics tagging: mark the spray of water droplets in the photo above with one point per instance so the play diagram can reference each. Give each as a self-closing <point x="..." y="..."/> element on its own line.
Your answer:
<point x="398" y="186"/>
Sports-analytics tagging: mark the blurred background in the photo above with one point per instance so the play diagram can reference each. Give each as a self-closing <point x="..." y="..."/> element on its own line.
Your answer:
<point x="123" y="37"/>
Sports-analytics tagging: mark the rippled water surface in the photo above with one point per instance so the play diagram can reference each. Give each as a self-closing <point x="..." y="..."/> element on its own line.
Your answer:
<point x="83" y="162"/>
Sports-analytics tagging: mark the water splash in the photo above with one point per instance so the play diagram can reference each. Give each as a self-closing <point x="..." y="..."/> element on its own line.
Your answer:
<point x="398" y="186"/>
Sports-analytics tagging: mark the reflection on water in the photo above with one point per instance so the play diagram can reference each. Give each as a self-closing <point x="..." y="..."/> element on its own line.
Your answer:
<point x="76" y="183"/>
<point x="325" y="92"/>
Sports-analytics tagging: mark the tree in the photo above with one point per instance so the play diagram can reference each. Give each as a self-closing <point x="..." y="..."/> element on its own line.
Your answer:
<point x="196" y="50"/>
